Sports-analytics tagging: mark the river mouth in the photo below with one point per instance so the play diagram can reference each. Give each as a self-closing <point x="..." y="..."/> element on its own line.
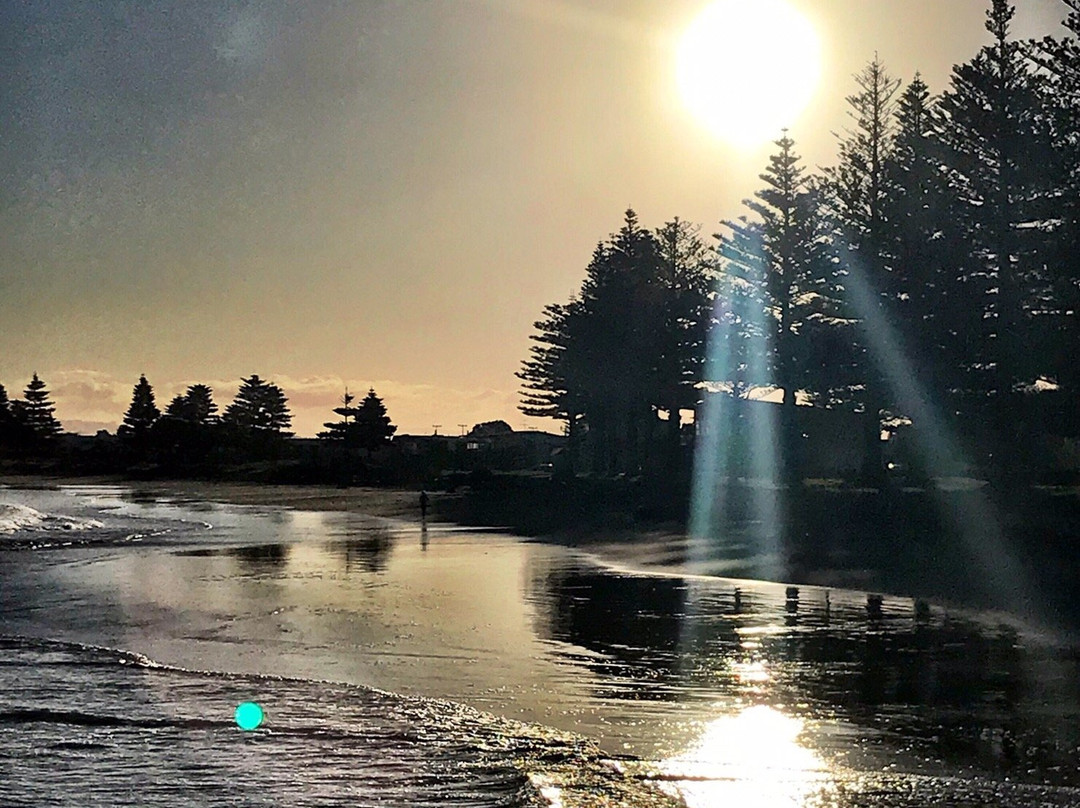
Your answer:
<point x="697" y="684"/>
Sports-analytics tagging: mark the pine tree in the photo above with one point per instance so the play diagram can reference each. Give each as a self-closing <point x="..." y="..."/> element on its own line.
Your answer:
<point x="200" y="408"/>
<point x="195" y="407"/>
<point x="1059" y="58"/>
<point x="6" y="416"/>
<point x="620" y="308"/>
<point x="1002" y="169"/>
<point x="630" y="344"/>
<point x="142" y="414"/>
<point x="372" y="424"/>
<point x="8" y="424"/>
<point x="341" y="430"/>
<point x="685" y="278"/>
<point x="37" y="412"/>
<point x="782" y="259"/>
<point x="259" y="409"/>
<point x="927" y="300"/>
<point x="858" y="191"/>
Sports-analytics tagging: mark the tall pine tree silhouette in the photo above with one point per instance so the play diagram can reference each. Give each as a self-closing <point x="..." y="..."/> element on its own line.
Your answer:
<point x="36" y="411"/>
<point x="372" y="424"/>
<point x="141" y="415"/>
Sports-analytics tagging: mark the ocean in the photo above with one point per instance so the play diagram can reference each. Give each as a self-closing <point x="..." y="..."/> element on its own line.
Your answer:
<point x="401" y="665"/>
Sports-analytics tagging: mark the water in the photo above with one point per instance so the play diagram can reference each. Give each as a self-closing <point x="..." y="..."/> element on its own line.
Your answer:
<point x="401" y="666"/>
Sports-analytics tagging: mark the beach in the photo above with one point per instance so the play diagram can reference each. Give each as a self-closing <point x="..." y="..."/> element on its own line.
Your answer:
<point x="529" y="670"/>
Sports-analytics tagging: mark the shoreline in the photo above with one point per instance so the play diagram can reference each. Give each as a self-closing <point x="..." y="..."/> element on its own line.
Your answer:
<point x="647" y="547"/>
<point x="394" y="503"/>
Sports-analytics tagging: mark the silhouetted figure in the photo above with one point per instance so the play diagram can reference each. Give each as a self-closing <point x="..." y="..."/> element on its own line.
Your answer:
<point x="873" y="606"/>
<point x="791" y="598"/>
<point x="738" y="600"/>
<point x="791" y="604"/>
<point x="922" y="611"/>
<point x="423" y="505"/>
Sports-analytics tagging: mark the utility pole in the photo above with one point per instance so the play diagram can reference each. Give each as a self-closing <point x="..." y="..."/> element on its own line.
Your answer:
<point x="462" y="427"/>
<point x="436" y="426"/>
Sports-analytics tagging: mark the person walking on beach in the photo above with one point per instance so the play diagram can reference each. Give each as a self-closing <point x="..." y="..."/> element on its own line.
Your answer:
<point x="423" y="505"/>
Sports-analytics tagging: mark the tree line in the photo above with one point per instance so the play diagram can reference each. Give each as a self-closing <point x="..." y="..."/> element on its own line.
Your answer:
<point x="190" y="429"/>
<point x="930" y="275"/>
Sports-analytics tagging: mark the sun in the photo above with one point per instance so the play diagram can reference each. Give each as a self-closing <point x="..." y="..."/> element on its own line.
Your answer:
<point x="748" y="68"/>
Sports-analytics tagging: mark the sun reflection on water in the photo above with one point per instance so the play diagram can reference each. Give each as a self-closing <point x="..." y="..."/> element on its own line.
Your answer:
<point x="752" y="759"/>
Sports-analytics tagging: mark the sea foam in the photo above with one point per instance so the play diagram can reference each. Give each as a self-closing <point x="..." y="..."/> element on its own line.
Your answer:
<point x="15" y="518"/>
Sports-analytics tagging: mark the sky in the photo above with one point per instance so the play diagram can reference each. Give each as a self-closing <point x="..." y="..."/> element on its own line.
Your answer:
<point x="363" y="192"/>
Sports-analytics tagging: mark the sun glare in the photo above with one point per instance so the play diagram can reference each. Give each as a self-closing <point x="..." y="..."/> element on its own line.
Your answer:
<point x="752" y="759"/>
<point x="748" y="68"/>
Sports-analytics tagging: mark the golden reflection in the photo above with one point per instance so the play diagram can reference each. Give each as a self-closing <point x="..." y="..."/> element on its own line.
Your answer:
<point x="750" y="673"/>
<point x="752" y="760"/>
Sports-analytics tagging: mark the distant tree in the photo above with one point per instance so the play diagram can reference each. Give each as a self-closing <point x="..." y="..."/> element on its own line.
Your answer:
<point x="187" y="433"/>
<point x="260" y="409"/>
<point x="8" y="424"/>
<point x="141" y="415"/>
<point x="196" y="406"/>
<point x="342" y="430"/>
<point x="489" y="428"/>
<point x="36" y="411"/>
<point x="6" y="415"/>
<point x="372" y="424"/>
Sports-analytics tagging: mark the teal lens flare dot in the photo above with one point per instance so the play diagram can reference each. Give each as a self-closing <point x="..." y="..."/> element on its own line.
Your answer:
<point x="249" y="715"/>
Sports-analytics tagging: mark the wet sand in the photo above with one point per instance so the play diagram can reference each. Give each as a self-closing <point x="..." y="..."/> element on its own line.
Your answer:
<point x="828" y="702"/>
<point x="663" y="548"/>
<point x="393" y="503"/>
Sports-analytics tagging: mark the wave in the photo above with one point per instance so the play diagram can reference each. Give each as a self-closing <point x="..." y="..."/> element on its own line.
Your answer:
<point x="116" y="717"/>
<point x="15" y="518"/>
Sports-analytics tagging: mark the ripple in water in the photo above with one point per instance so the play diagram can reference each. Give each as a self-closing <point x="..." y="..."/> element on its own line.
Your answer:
<point x="82" y="725"/>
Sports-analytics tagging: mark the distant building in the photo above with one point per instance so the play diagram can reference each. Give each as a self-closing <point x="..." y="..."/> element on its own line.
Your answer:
<point x="485" y="446"/>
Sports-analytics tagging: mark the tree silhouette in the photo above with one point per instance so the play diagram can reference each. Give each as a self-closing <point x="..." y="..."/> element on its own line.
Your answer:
<point x="372" y="424"/>
<point x="554" y="377"/>
<point x="1002" y="169"/>
<point x="685" y="277"/>
<point x="1059" y="59"/>
<point x="8" y="425"/>
<point x="924" y="304"/>
<point x="630" y="344"/>
<point x="196" y="406"/>
<point x="781" y="258"/>
<point x="260" y="409"/>
<point x="858" y="191"/>
<point x="342" y="430"/>
<point x="36" y="411"/>
<point x="141" y="415"/>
